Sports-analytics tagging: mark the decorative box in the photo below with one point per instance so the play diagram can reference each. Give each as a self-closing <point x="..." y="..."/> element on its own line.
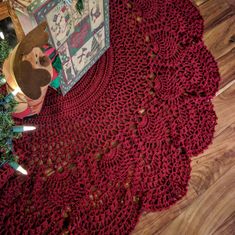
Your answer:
<point x="80" y="39"/>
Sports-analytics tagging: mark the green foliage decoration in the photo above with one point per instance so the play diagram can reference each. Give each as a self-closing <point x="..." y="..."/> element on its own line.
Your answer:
<point x="4" y="50"/>
<point x="6" y="109"/>
<point x="6" y="133"/>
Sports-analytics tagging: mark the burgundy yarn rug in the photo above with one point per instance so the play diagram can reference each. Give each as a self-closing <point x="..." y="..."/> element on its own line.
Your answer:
<point x="121" y="141"/>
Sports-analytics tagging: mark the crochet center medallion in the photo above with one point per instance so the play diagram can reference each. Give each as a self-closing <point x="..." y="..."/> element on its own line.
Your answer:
<point x="120" y="142"/>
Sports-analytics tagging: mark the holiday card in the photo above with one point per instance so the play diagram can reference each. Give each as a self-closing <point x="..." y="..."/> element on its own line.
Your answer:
<point x="80" y="38"/>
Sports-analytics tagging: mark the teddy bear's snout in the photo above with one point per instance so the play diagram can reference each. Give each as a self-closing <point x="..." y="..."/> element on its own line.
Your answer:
<point x="44" y="61"/>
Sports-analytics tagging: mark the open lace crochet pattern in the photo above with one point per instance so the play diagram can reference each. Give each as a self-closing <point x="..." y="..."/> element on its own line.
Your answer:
<point x="120" y="142"/>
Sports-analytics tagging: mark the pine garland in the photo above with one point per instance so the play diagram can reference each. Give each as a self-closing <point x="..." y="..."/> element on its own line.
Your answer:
<point x="6" y="132"/>
<point x="6" y="109"/>
<point x="4" y="50"/>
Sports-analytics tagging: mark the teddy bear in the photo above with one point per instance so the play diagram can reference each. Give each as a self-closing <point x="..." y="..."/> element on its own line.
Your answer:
<point x="29" y="68"/>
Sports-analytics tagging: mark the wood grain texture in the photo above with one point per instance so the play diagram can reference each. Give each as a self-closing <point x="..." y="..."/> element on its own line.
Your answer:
<point x="215" y="207"/>
<point x="3" y="10"/>
<point x="226" y="65"/>
<point x="220" y="9"/>
<point x="7" y="11"/>
<point x="209" y="206"/>
<point x="17" y="26"/>
<point x="221" y="38"/>
<point x="199" y="2"/>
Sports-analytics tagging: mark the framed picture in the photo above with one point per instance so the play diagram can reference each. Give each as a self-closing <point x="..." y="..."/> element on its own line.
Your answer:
<point x="80" y="38"/>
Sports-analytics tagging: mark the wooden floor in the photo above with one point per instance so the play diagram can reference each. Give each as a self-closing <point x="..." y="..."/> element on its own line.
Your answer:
<point x="209" y="207"/>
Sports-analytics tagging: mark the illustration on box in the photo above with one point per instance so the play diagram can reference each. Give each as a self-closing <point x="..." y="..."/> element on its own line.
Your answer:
<point x="60" y="24"/>
<point x="80" y="39"/>
<point x="89" y="50"/>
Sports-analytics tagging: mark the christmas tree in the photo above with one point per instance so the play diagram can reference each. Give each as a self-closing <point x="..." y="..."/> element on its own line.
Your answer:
<point x="8" y="130"/>
<point x="4" y="50"/>
<point x="6" y="133"/>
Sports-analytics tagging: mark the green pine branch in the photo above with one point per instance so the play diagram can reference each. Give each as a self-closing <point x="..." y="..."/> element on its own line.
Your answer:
<point x="6" y="133"/>
<point x="4" y="50"/>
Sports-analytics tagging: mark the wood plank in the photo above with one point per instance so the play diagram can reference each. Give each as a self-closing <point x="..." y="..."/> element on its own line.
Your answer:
<point x="224" y="105"/>
<point x="221" y="38"/>
<point x="228" y="227"/>
<point x="209" y="211"/>
<point x="213" y="11"/>
<point x="214" y="164"/>
<point x="206" y="168"/>
<point x="3" y="11"/>
<point x="17" y="26"/>
<point x="231" y="2"/>
<point x="199" y="2"/>
<point x="219" y="157"/>
<point x="226" y="65"/>
<point x="153" y="223"/>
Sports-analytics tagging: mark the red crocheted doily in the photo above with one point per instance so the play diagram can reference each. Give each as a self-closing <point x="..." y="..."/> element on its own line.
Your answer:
<point x="120" y="142"/>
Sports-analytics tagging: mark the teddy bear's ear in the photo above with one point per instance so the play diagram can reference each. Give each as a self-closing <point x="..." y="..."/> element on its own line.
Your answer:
<point x="31" y="80"/>
<point x="36" y="38"/>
